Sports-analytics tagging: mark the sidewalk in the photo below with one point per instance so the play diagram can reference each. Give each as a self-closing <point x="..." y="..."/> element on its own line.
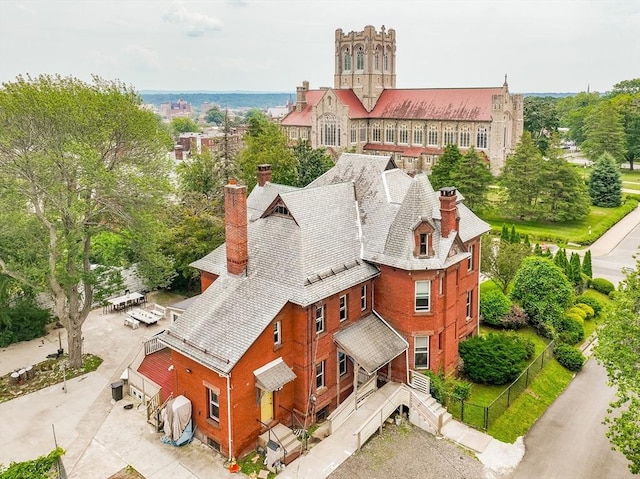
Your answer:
<point x="603" y="245"/>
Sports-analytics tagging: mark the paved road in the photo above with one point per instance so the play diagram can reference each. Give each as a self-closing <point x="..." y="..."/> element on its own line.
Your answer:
<point x="569" y="440"/>
<point x="610" y="266"/>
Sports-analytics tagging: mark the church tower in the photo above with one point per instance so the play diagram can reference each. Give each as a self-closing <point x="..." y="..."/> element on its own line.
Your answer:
<point x="366" y="63"/>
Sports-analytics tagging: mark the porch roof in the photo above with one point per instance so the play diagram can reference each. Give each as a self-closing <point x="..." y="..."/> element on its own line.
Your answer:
<point x="272" y="376"/>
<point x="371" y="342"/>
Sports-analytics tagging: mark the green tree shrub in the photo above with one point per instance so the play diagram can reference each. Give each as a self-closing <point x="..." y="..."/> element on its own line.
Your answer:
<point x="495" y="358"/>
<point x="22" y="321"/>
<point x="602" y="285"/>
<point x="44" y="467"/>
<point x="569" y="329"/>
<point x="494" y="305"/>
<point x="605" y="184"/>
<point x="442" y="388"/>
<point x="587" y="267"/>
<point x="589" y="311"/>
<point x="595" y="303"/>
<point x="568" y="356"/>
<point x="542" y="289"/>
<point x="581" y="313"/>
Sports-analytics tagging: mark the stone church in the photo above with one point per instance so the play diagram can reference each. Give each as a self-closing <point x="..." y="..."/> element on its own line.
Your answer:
<point x="364" y="112"/>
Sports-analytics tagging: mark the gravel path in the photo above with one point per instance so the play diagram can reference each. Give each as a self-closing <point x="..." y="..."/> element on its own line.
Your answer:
<point x="408" y="452"/>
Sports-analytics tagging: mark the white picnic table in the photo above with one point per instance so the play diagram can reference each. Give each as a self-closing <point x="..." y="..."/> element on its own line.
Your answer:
<point x="144" y="316"/>
<point x="126" y="300"/>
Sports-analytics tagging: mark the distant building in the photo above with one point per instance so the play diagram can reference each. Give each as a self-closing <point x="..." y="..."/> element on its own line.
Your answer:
<point x="213" y="140"/>
<point x="178" y="109"/>
<point x="365" y="112"/>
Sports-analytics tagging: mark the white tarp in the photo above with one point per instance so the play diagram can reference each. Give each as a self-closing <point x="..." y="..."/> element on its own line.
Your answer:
<point x="177" y="415"/>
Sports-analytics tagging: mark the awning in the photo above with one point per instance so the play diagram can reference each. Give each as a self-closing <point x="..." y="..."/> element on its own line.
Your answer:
<point x="272" y="376"/>
<point x="371" y="342"/>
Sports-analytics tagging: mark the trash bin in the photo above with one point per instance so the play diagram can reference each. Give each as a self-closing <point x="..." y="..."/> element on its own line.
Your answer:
<point x="116" y="390"/>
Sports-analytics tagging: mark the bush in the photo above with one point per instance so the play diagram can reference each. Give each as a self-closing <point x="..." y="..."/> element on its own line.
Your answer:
<point x="569" y="330"/>
<point x="568" y="356"/>
<point x="495" y="358"/>
<point x="544" y="330"/>
<point x="602" y="285"/>
<point x="581" y="313"/>
<point x="574" y="317"/>
<point x="589" y="311"/>
<point x="590" y="301"/>
<point x="22" y="321"/>
<point x="494" y="305"/>
<point x="515" y="319"/>
<point x="442" y="388"/>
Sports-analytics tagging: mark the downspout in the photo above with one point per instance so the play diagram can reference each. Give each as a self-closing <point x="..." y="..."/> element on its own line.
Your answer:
<point x="229" y="413"/>
<point x="406" y="356"/>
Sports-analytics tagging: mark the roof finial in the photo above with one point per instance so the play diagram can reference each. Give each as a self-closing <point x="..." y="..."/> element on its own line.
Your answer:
<point x="505" y="80"/>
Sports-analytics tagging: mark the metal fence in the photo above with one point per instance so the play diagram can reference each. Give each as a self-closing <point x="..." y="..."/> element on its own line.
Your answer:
<point x="481" y="417"/>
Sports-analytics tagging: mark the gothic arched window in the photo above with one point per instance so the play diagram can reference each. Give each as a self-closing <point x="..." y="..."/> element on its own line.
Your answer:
<point x="433" y="135"/>
<point x="417" y="135"/>
<point x="346" y="62"/>
<point x="481" y="139"/>
<point x="360" y="59"/>
<point x="376" y="59"/>
<point x="329" y="130"/>
<point x="449" y="135"/>
<point x="465" y="137"/>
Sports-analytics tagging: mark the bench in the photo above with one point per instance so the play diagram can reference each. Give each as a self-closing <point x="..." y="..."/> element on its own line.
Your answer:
<point x="131" y="322"/>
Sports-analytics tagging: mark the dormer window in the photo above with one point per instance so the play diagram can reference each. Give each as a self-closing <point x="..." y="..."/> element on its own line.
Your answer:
<point x="423" y="243"/>
<point x="281" y="210"/>
<point x="423" y="240"/>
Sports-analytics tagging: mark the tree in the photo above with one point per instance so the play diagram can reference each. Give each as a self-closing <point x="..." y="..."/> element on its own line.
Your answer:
<point x="630" y="87"/>
<point x="183" y="125"/>
<point x="605" y="184"/>
<point x="573" y="110"/>
<point x="564" y="195"/>
<point x="500" y="261"/>
<point x="312" y="162"/>
<point x="77" y="159"/>
<point x="587" y="268"/>
<point x="604" y="132"/>
<point x="521" y="179"/>
<point x="472" y="177"/>
<point x="628" y="104"/>
<point x="440" y="176"/>
<point x="542" y="289"/>
<point x="575" y="271"/>
<point x="618" y="349"/>
<point x="541" y="119"/>
<point x="215" y="115"/>
<point x="266" y="144"/>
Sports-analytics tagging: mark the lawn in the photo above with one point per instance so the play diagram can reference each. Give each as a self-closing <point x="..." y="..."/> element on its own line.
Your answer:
<point x="582" y="232"/>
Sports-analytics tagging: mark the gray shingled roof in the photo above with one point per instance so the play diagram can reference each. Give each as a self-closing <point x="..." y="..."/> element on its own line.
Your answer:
<point x="274" y="375"/>
<point x="371" y="342"/>
<point x="360" y="212"/>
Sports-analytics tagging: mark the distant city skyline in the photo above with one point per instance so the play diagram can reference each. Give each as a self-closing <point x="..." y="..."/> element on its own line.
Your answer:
<point x="272" y="46"/>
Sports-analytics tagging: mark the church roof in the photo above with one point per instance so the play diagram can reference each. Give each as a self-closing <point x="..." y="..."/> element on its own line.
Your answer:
<point x="455" y="104"/>
<point x="347" y="97"/>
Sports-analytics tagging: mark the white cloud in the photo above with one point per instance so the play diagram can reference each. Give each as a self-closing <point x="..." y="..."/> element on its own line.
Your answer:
<point x="142" y="58"/>
<point x="196" y="24"/>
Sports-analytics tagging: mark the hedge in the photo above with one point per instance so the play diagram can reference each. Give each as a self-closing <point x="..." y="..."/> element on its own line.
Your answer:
<point x="569" y="357"/>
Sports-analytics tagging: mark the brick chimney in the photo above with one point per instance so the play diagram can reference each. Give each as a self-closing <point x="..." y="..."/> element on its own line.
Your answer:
<point x="179" y="150"/>
<point x="448" y="211"/>
<point x="264" y="174"/>
<point x="235" y="227"/>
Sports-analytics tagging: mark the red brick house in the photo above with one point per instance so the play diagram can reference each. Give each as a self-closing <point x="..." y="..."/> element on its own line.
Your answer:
<point x="366" y="272"/>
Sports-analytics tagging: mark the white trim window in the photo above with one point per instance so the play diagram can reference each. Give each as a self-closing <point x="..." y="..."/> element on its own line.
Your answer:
<point x="481" y="139"/>
<point x="376" y="133"/>
<point x="342" y="363"/>
<point x="343" y="307"/>
<point x="319" y="319"/>
<point x="465" y="137"/>
<point x="432" y="138"/>
<point x="423" y="296"/>
<point x="277" y="333"/>
<point x="213" y="400"/>
<point x="472" y="250"/>
<point x="417" y="135"/>
<point x="469" y="304"/>
<point x="329" y="130"/>
<point x="390" y="133"/>
<point x="363" y="131"/>
<point x="320" y="382"/>
<point x="421" y="352"/>
<point x="363" y="297"/>
<point x="403" y="134"/>
<point x="354" y="133"/>
<point x="449" y="135"/>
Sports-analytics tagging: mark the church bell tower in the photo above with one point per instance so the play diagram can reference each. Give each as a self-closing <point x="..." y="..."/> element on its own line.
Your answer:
<point x="366" y="63"/>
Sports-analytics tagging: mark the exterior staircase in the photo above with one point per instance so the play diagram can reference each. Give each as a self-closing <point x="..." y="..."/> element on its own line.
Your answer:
<point x="281" y="445"/>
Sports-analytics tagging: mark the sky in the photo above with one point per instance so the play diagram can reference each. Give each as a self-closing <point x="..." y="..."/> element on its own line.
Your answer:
<point x="274" y="45"/>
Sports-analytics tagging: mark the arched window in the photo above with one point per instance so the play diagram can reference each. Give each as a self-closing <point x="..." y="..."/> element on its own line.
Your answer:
<point x="465" y="137"/>
<point x="403" y="134"/>
<point x="360" y="59"/>
<point x="376" y="59"/>
<point x="329" y="130"/>
<point x="354" y="133"/>
<point x="363" y="131"/>
<point x="390" y="133"/>
<point x="433" y="135"/>
<point x="417" y="135"/>
<point x="346" y="62"/>
<point x="481" y="139"/>
<point x="375" y="133"/>
<point x="449" y="135"/>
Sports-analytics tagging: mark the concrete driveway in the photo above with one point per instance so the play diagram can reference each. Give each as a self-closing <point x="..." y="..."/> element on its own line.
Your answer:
<point x="100" y="437"/>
